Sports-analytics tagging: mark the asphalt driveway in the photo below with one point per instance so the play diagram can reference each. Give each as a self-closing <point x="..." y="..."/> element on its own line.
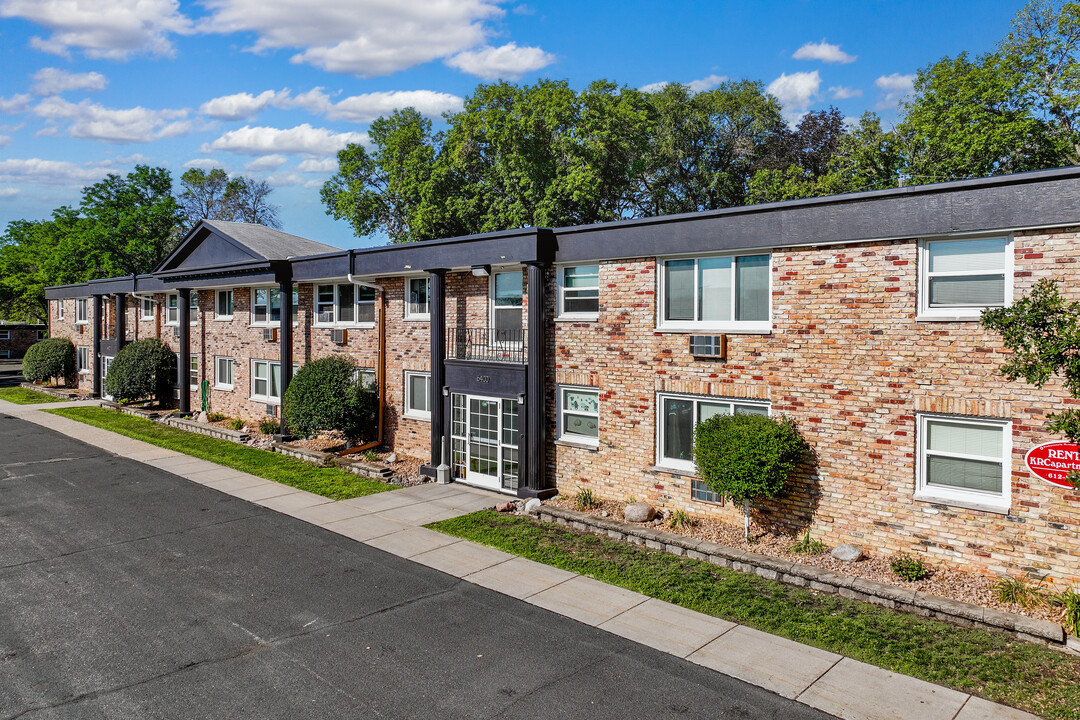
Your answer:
<point x="127" y="592"/>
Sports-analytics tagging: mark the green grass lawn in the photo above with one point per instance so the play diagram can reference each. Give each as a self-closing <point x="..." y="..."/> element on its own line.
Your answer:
<point x="328" y="482"/>
<point x="1035" y="678"/>
<point x="23" y="396"/>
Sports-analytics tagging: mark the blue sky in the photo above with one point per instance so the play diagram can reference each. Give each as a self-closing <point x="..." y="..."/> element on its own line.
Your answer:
<point x="272" y="89"/>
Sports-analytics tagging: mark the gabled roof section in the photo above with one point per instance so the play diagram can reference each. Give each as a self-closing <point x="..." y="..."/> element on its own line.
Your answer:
<point x="214" y="244"/>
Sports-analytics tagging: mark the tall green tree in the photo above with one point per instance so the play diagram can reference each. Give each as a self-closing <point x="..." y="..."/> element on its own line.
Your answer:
<point x="35" y="255"/>
<point x="214" y="195"/>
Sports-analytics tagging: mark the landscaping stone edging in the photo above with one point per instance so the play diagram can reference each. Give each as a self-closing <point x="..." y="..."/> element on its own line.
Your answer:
<point x="65" y="394"/>
<point x="820" y="579"/>
<point x="324" y="459"/>
<point x="212" y="430"/>
<point x="135" y="411"/>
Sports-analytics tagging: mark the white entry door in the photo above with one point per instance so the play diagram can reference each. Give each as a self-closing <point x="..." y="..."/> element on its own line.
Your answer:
<point x="106" y="360"/>
<point x="484" y="441"/>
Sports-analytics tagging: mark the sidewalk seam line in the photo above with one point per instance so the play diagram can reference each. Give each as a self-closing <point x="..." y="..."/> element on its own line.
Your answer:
<point x="816" y="680"/>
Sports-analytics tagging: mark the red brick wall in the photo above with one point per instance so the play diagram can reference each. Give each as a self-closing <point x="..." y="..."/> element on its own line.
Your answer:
<point x="19" y="338"/>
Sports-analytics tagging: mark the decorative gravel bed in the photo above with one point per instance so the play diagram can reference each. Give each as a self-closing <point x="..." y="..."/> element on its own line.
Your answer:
<point x="945" y="581"/>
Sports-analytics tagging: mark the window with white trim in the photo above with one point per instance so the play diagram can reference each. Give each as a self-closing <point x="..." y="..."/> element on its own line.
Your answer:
<point x="700" y="491"/>
<point x="193" y="306"/>
<point x="146" y="309"/>
<point x="680" y="414"/>
<point x="59" y="309"/>
<point x="506" y="290"/>
<point x="367" y="378"/>
<point x="223" y="373"/>
<point x="172" y="309"/>
<point x="418" y="395"/>
<point x="417" y="306"/>
<point x="83" y="359"/>
<point x="965" y="461"/>
<point x="266" y="380"/>
<point x="81" y="314"/>
<point x="959" y="278"/>
<point x="223" y="310"/>
<point x="344" y="305"/>
<point x="729" y="293"/>
<point x="193" y="372"/>
<point x="578" y="413"/>
<point x="266" y="306"/>
<point x="579" y="292"/>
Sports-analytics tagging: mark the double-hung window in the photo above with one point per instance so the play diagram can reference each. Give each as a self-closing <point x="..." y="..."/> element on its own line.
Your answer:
<point x="680" y="414"/>
<point x="729" y="293"/>
<point x="172" y="309"/>
<point x="81" y="314"/>
<point x="223" y="310"/>
<point x="193" y="371"/>
<point x="579" y="292"/>
<point x="146" y="311"/>
<point x="579" y="415"/>
<point x="266" y="306"/>
<point x="223" y="373"/>
<point x="193" y="307"/>
<point x="84" y="360"/>
<point x="964" y="461"/>
<point x="506" y="305"/>
<point x="59" y="309"/>
<point x="266" y="380"/>
<point x="418" y="395"/>
<point x="959" y="278"/>
<point x="416" y="299"/>
<point x="344" y="304"/>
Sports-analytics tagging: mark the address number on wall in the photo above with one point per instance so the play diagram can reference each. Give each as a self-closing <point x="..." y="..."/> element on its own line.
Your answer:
<point x="483" y="378"/>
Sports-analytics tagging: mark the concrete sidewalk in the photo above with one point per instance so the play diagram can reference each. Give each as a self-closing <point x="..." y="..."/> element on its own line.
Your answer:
<point x="392" y="522"/>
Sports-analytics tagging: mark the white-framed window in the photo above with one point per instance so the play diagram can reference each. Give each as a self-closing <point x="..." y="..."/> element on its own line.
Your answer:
<point x="223" y="373"/>
<point x="345" y="305"/>
<point x="193" y="307"/>
<point x="727" y="293"/>
<point x="81" y="314"/>
<point x="83" y="359"/>
<point x="146" y="309"/>
<point x="701" y="492"/>
<point x="5" y="334"/>
<point x="417" y="305"/>
<point x="958" y="278"/>
<point x="193" y="371"/>
<point x="579" y="414"/>
<point x="678" y="415"/>
<point x="579" y="292"/>
<point x="964" y="461"/>
<point x="172" y="309"/>
<point x="59" y="309"/>
<point x="367" y="378"/>
<point x="223" y="309"/>
<point x="266" y="380"/>
<point x="418" y="395"/>
<point x="506" y="303"/>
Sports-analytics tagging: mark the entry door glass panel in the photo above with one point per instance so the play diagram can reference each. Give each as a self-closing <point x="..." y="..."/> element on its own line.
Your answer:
<point x="484" y="436"/>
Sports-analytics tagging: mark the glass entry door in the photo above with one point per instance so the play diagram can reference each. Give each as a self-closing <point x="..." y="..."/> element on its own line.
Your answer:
<point x="106" y="361"/>
<point x="484" y="441"/>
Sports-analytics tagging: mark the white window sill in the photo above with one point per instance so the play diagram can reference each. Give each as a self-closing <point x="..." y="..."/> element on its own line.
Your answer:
<point x="418" y="318"/>
<point x="954" y="317"/>
<point x="982" y="506"/>
<point x="265" y="400"/>
<point x="223" y="318"/>
<point x="685" y="472"/>
<point x="579" y="444"/>
<point x="169" y="324"/>
<point x="425" y="417"/>
<point x="224" y="388"/>
<point x="344" y="326"/>
<point x="81" y="322"/>
<point x="595" y="317"/>
<point x="745" y="329"/>
<point x="84" y="372"/>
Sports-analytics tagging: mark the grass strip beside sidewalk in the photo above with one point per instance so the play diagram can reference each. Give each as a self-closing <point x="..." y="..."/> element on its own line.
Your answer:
<point x="328" y="482"/>
<point x="1031" y="677"/>
<point x="23" y="396"/>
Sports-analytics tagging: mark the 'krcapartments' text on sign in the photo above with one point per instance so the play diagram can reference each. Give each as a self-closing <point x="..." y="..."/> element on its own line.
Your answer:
<point x="1053" y="461"/>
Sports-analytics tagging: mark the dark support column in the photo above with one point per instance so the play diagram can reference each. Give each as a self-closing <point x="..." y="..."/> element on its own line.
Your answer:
<point x="437" y="307"/>
<point x="183" y="363"/>
<point x="121" y="319"/>
<point x="284" y="277"/>
<point x="96" y="308"/>
<point x="535" y="481"/>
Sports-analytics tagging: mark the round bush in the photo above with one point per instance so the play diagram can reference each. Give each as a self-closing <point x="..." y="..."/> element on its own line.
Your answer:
<point x="142" y="369"/>
<point x="326" y="394"/>
<point x="48" y="359"/>
<point x="747" y="457"/>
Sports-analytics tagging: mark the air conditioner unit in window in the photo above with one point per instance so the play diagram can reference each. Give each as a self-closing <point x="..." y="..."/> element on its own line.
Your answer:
<point x="339" y="337"/>
<point x="270" y="334"/>
<point x="711" y="346"/>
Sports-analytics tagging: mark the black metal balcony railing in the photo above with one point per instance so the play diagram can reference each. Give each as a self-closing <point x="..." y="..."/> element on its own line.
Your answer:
<point x="486" y="345"/>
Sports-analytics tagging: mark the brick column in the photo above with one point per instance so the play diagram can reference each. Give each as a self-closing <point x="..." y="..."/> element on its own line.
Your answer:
<point x="183" y="363"/>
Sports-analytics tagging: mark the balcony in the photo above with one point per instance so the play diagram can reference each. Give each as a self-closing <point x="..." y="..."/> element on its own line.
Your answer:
<point x="502" y="345"/>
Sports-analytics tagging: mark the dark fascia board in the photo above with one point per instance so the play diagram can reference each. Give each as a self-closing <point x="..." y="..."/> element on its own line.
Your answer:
<point x="221" y="279"/>
<point x="196" y="237"/>
<point x="1048" y="198"/>
<point x="237" y="268"/>
<point x="105" y="286"/>
<point x="514" y="246"/>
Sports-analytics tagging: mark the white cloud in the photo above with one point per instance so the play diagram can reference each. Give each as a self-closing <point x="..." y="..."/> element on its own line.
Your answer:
<point x="797" y="90"/>
<point x="5" y="140"/>
<point x="839" y="92"/>
<point x="111" y="29"/>
<point x="15" y="104"/>
<point x="506" y="61"/>
<point x="133" y="159"/>
<point x="6" y="193"/>
<point x="655" y="87"/>
<point x="705" y="83"/>
<point x="291" y="178"/>
<point x="326" y="165"/>
<point x="267" y="162"/>
<point x="360" y="37"/>
<point x="365" y="108"/>
<point x="243" y="106"/>
<point x="53" y="81"/>
<point x="825" y="52"/>
<point x="205" y="164"/>
<point x="91" y="121"/>
<point x="50" y="172"/>
<point x="894" y="88"/>
<point x="300" y="140"/>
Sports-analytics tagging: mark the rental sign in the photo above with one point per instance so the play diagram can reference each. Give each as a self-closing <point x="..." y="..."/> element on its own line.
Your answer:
<point x="1053" y="461"/>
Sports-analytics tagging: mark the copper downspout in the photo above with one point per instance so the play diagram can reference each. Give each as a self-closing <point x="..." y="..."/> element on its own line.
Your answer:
<point x="380" y="371"/>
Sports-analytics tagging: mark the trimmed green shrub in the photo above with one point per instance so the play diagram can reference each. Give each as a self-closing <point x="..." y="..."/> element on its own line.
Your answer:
<point x="747" y="457"/>
<point x="326" y="394"/>
<point x="215" y="416"/>
<point x="142" y="369"/>
<point x="909" y="568"/>
<point x="49" y="359"/>
<point x="269" y="427"/>
<point x="584" y="499"/>
<point x="235" y="424"/>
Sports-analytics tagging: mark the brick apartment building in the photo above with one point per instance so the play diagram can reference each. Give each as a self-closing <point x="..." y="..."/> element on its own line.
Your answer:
<point x="16" y="337"/>
<point x="537" y="361"/>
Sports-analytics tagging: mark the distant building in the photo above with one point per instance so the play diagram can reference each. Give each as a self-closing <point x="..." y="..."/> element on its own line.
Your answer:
<point x="15" y="338"/>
